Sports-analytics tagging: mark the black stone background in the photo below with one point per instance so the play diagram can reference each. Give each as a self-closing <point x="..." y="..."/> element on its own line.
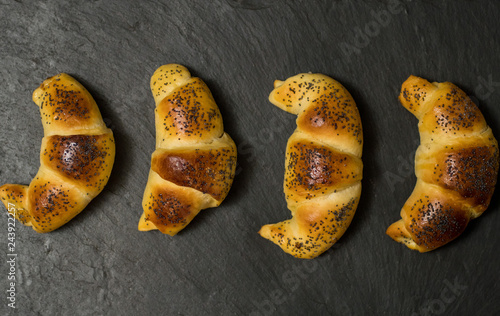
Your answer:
<point x="99" y="264"/>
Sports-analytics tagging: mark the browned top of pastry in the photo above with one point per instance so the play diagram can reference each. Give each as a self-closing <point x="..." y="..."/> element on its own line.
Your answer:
<point x="435" y="219"/>
<point x="169" y="209"/>
<point x="53" y="203"/>
<point x="469" y="171"/>
<point x="443" y="108"/>
<point x="207" y="170"/>
<point x="84" y="159"/>
<point x="316" y="170"/>
<point x="189" y="113"/>
<point x="326" y="110"/>
<point x="66" y="107"/>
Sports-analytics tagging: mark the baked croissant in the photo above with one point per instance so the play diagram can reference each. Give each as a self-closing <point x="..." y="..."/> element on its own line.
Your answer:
<point x="194" y="163"/>
<point x="456" y="165"/>
<point x="323" y="164"/>
<point x="76" y="157"/>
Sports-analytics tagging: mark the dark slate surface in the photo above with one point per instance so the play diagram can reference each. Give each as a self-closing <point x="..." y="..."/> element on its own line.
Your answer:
<point x="99" y="264"/>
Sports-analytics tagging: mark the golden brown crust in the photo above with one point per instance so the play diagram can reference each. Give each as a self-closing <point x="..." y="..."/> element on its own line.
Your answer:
<point x="169" y="207"/>
<point x="332" y="115"/>
<point x="316" y="225"/>
<point x="194" y="163"/>
<point x="53" y="202"/>
<point x="456" y="165"/>
<point x="206" y="170"/>
<point x="66" y="106"/>
<point x="323" y="164"/>
<point x="467" y="171"/>
<point x="167" y="78"/>
<point x="314" y="170"/>
<point x="190" y="112"/>
<point x="14" y="197"/>
<point x="452" y="113"/>
<point x="326" y="110"/>
<point x="434" y="216"/>
<point x="85" y="159"/>
<point x="76" y="157"/>
<point x="415" y="92"/>
<point x="170" y="211"/>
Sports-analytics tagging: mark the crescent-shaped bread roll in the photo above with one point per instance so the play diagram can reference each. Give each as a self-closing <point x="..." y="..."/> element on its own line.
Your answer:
<point x="194" y="163"/>
<point x="323" y="164"/>
<point x="456" y="165"/>
<point x="76" y="157"/>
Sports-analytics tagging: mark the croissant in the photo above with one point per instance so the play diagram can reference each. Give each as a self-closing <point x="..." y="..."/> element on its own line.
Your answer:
<point x="323" y="164"/>
<point x="76" y="157"/>
<point x="194" y="163"/>
<point x="456" y="165"/>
